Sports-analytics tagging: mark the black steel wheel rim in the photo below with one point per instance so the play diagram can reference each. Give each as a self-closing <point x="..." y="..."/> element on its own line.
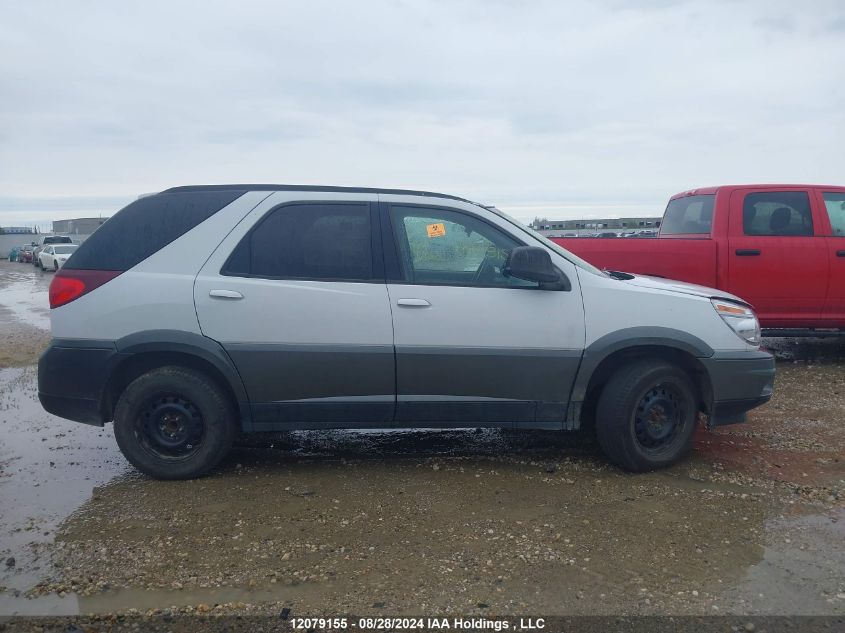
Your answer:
<point x="659" y="417"/>
<point x="171" y="427"/>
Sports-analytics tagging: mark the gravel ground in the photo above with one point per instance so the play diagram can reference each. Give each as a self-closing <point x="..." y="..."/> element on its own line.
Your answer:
<point x="483" y="522"/>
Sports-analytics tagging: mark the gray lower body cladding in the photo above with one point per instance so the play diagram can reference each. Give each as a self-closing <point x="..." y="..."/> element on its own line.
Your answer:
<point x="740" y="382"/>
<point x="316" y="386"/>
<point x="302" y="387"/>
<point x="483" y="385"/>
<point x="71" y="378"/>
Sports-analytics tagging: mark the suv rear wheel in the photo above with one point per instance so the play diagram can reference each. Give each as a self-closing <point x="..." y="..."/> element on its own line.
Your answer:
<point x="646" y="415"/>
<point x="174" y="423"/>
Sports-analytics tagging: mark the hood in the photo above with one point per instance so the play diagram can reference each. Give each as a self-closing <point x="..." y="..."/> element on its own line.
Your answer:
<point x="659" y="283"/>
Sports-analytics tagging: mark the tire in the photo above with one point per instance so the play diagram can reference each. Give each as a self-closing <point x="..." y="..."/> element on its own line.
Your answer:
<point x="646" y="415"/>
<point x="55" y="266"/>
<point x="174" y="423"/>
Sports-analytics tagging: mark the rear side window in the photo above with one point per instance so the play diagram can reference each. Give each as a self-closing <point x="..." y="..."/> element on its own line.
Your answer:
<point x="690" y="215"/>
<point x="835" y="205"/>
<point x="777" y="213"/>
<point x="307" y="241"/>
<point x="145" y="227"/>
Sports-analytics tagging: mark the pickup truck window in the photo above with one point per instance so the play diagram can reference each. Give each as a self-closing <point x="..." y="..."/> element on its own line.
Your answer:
<point x="782" y="213"/>
<point x="835" y="205"/>
<point x="690" y="215"/>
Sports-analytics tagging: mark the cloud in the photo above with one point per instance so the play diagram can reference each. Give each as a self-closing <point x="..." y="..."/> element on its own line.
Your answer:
<point x="567" y="105"/>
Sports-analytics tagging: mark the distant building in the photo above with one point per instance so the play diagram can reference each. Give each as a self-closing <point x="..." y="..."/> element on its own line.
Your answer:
<point x="597" y="225"/>
<point x="78" y="226"/>
<point x="16" y="230"/>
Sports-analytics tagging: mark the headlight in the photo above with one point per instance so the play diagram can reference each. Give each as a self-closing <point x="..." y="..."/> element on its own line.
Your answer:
<point x="740" y="318"/>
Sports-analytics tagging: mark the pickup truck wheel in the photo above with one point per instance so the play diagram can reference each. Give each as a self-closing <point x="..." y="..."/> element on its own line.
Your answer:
<point x="174" y="423"/>
<point x="646" y="415"/>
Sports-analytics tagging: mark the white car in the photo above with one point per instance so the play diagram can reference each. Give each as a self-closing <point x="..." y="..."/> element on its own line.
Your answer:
<point x="54" y="257"/>
<point x="245" y="308"/>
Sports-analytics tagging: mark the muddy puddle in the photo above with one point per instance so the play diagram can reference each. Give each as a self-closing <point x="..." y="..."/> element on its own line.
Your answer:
<point x="48" y="468"/>
<point x="23" y="294"/>
<point x="800" y="573"/>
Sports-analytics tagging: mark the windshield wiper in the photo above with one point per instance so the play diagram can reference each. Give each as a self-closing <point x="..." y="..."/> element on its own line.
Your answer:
<point x="615" y="274"/>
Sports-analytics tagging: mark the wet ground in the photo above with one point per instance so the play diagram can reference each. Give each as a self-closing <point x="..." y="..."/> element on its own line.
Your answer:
<point x="480" y="522"/>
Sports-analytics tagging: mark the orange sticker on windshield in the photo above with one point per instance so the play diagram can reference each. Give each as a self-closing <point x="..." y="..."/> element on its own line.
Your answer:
<point x="436" y="230"/>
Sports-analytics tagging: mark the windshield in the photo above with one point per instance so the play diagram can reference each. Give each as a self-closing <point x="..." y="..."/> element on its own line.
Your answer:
<point x="690" y="215"/>
<point x="56" y="240"/>
<point x="547" y="242"/>
<point x="64" y="250"/>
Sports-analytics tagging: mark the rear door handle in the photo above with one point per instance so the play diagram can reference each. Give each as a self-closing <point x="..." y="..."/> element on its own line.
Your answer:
<point x="413" y="303"/>
<point x="747" y="252"/>
<point x="840" y="253"/>
<point x="225" y="294"/>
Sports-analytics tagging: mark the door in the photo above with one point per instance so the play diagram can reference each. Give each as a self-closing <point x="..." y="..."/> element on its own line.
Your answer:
<point x="777" y="260"/>
<point x="833" y="203"/>
<point x="474" y="347"/>
<point x="296" y="296"/>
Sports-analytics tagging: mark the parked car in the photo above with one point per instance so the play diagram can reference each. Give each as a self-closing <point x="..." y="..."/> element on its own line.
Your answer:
<point x="264" y="308"/>
<point x="25" y="254"/>
<point x="607" y="234"/>
<point x="779" y="247"/>
<point x="46" y="240"/>
<point x="53" y="257"/>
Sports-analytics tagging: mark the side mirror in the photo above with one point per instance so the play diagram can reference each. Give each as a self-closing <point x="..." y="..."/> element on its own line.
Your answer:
<point x="533" y="263"/>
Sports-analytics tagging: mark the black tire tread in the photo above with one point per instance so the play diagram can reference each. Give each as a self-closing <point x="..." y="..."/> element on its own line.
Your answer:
<point x="613" y="413"/>
<point x="214" y="401"/>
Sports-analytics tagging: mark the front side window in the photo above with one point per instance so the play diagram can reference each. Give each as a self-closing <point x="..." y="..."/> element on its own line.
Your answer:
<point x="781" y="213"/>
<point x="835" y="205"/>
<point x="441" y="246"/>
<point x="690" y="215"/>
<point x="307" y="241"/>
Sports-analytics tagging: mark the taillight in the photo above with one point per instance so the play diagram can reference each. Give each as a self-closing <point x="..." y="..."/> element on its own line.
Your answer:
<point x="68" y="285"/>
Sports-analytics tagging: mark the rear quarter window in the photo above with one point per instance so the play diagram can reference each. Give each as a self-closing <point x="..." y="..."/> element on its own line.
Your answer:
<point x="690" y="215"/>
<point x="146" y="226"/>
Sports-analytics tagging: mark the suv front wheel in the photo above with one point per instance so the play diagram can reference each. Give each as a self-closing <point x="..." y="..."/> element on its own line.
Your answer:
<point x="174" y="423"/>
<point x="646" y="415"/>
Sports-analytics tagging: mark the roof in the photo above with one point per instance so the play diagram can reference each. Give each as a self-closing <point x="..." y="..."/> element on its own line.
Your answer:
<point x="708" y="190"/>
<point x="265" y="187"/>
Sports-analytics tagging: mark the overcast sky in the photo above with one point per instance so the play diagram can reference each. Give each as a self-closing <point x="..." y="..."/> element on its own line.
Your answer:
<point x="558" y="109"/>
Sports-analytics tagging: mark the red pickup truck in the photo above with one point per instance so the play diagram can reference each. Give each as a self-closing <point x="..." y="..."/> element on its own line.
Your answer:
<point x="780" y="247"/>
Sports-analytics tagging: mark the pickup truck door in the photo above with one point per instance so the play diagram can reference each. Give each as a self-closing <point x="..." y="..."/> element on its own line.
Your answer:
<point x="833" y="203"/>
<point x="777" y="257"/>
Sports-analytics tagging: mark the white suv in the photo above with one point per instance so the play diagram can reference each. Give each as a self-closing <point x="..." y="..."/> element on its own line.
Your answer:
<point x="200" y="312"/>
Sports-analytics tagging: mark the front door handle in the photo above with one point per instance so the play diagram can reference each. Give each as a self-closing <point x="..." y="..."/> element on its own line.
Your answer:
<point x="840" y="253"/>
<point x="413" y="303"/>
<point x="225" y="294"/>
<point x="747" y="252"/>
